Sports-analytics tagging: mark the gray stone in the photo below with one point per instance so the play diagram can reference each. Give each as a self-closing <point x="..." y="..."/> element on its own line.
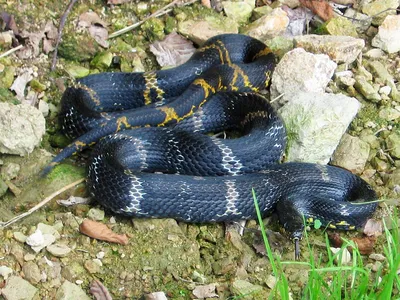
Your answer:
<point x="18" y="289"/>
<point x="19" y="236"/>
<point x="388" y="35"/>
<point x="10" y="170"/>
<point x="366" y="89"/>
<point x="341" y="49"/>
<point x="5" y="271"/>
<point x="352" y="154"/>
<point x="48" y="229"/>
<point x="201" y="30"/>
<point x="394" y="179"/>
<point x="93" y="266"/>
<point x="238" y="11"/>
<point x="268" y="26"/>
<point x="21" y="128"/>
<point x="360" y="21"/>
<point x="58" y="250"/>
<point x="374" y="53"/>
<point x="380" y="71"/>
<point x="393" y="144"/>
<point x="71" y="291"/>
<point x="96" y="214"/>
<point x="245" y="288"/>
<point x="379" y="9"/>
<point x="315" y="124"/>
<point x="31" y="272"/>
<point x="389" y="114"/>
<point x="301" y="71"/>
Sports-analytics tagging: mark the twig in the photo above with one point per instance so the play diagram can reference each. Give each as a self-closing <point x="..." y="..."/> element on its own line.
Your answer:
<point x="11" y="51"/>
<point x="39" y="205"/>
<point x="59" y="33"/>
<point x="162" y="11"/>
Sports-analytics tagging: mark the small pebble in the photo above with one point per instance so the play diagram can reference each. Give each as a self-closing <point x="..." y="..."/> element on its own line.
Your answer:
<point x="100" y="255"/>
<point x="20" y="237"/>
<point x="377" y="257"/>
<point x="29" y="257"/>
<point x="385" y="90"/>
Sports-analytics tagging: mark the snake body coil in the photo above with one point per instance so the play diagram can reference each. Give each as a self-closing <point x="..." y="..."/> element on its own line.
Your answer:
<point x="212" y="178"/>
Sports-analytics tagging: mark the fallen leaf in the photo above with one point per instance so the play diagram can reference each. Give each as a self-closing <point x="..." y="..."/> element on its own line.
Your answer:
<point x="364" y="244"/>
<point x="90" y="18"/>
<point x="174" y="50"/>
<point x="205" y="291"/>
<point x="100" y="231"/>
<point x="20" y="83"/>
<point x="373" y="228"/>
<point x="9" y="22"/>
<point x="319" y="7"/>
<point x="100" y="35"/>
<point x="73" y="201"/>
<point x="99" y="291"/>
<point x="298" y="20"/>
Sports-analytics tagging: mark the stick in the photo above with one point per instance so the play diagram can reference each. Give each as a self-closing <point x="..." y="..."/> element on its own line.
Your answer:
<point x="59" y="33"/>
<point x="162" y="11"/>
<point x="39" y="205"/>
<point x="11" y="51"/>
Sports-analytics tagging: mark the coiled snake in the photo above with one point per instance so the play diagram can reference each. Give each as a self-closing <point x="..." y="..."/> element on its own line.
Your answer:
<point x="172" y="169"/>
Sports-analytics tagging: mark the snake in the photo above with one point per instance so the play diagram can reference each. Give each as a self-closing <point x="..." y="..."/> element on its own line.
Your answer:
<point x="156" y="157"/>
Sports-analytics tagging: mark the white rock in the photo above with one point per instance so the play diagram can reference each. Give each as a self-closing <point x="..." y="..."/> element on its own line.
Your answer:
<point x="21" y="128"/>
<point x="35" y="239"/>
<point x="5" y="271"/>
<point x="44" y="108"/>
<point x="315" y="124"/>
<point x="388" y="37"/>
<point x="300" y="71"/>
<point x="385" y="90"/>
<point x="59" y="250"/>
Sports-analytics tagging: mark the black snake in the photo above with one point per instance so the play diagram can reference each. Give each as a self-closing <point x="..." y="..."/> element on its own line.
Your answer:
<point x="173" y="169"/>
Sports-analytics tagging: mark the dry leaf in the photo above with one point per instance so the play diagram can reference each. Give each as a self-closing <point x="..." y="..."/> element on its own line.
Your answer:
<point x="20" y="83"/>
<point x="298" y="20"/>
<point x="90" y="18"/>
<point x="373" y="228"/>
<point x="100" y="34"/>
<point x="73" y="201"/>
<point x="100" y="231"/>
<point x="365" y="244"/>
<point x="9" y="22"/>
<point x="319" y="7"/>
<point x="174" y="50"/>
<point x="99" y="291"/>
<point x="205" y="291"/>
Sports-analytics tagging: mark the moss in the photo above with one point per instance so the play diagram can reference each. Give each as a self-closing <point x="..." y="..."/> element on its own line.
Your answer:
<point x="7" y="96"/>
<point x="76" y="47"/>
<point x="65" y="172"/>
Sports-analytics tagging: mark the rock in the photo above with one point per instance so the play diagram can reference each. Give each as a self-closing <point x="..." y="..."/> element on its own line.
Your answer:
<point x="268" y="26"/>
<point x="385" y="90"/>
<point x="155" y="296"/>
<point x="59" y="250"/>
<point x="77" y="71"/>
<point x="270" y="281"/>
<point x="238" y="11"/>
<point x="379" y="165"/>
<point x="379" y="9"/>
<point x="340" y="26"/>
<point x="387" y="38"/>
<point x="93" y="266"/>
<point x="102" y="61"/>
<point x="300" y="71"/>
<point x="374" y="53"/>
<point x="31" y="272"/>
<point x="44" y="108"/>
<point x="71" y="291"/>
<point x="18" y="289"/>
<point x="3" y="188"/>
<point x="96" y="214"/>
<point x="360" y="21"/>
<point x="6" y="39"/>
<point x="368" y="136"/>
<point x="5" y="271"/>
<point x="366" y="89"/>
<point x="19" y="236"/>
<point x="380" y="71"/>
<point x="10" y="171"/>
<point x="245" y="288"/>
<point x="341" y="49"/>
<point x="7" y="76"/>
<point x="48" y="229"/>
<point x="315" y="124"/>
<point x="394" y="179"/>
<point x="260" y="11"/>
<point x="352" y="154"/>
<point x="201" y="30"/>
<point x="393" y="144"/>
<point x="389" y="114"/>
<point x="341" y="259"/>
<point x="21" y="128"/>
<point x="38" y="240"/>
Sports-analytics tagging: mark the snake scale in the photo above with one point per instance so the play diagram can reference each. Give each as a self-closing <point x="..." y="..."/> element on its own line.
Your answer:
<point x="153" y="158"/>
